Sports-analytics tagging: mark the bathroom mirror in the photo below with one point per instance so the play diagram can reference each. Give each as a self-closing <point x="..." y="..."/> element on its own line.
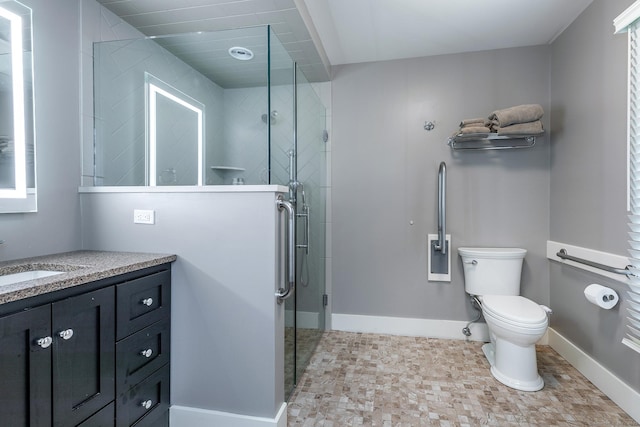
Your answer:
<point x="17" y="139"/>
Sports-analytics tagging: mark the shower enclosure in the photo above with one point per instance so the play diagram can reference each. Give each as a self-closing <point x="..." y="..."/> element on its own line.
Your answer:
<point x="221" y="108"/>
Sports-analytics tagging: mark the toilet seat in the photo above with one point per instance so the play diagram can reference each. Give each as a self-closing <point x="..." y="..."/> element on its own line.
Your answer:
<point x="514" y="310"/>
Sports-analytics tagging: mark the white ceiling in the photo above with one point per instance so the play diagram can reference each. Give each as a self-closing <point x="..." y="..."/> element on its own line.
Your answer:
<point x="376" y="30"/>
<point x="320" y="33"/>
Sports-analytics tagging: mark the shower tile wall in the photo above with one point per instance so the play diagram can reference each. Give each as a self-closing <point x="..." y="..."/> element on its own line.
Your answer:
<point x="120" y="107"/>
<point x="245" y="135"/>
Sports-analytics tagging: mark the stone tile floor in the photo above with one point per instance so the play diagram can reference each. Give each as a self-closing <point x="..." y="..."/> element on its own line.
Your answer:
<point x="358" y="379"/>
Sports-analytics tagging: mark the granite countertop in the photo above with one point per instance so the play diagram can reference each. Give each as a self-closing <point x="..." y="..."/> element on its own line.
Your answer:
<point x="79" y="267"/>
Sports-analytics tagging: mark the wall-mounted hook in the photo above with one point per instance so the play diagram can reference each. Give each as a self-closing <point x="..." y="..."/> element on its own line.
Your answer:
<point x="429" y="125"/>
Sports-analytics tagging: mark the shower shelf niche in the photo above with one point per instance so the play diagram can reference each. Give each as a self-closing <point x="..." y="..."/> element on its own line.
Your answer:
<point x="491" y="141"/>
<point x="227" y="169"/>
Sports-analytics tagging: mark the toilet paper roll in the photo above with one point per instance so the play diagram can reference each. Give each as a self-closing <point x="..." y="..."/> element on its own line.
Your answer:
<point x="601" y="296"/>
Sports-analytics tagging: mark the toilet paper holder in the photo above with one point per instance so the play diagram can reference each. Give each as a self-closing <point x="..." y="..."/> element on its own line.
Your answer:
<point x="601" y="296"/>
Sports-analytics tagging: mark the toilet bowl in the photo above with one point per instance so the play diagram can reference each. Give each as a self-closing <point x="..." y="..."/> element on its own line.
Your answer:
<point x="515" y="323"/>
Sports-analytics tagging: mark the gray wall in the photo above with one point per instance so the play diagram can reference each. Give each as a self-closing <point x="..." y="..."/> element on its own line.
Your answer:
<point x="384" y="175"/>
<point x="588" y="178"/>
<point x="54" y="228"/>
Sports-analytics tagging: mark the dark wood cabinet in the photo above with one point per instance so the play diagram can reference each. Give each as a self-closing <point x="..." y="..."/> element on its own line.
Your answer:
<point x="83" y="355"/>
<point x="142" y="351"/>
<point x="25" y="368"/>
<point x="62" y="365"/>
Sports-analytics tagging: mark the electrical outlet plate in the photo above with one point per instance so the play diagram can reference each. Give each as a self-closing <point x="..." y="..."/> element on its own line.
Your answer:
<point x="144" y="216"/>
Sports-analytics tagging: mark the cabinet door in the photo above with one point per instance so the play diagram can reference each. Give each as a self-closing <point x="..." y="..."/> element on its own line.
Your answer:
<point x="25" y="368"/>
<point x="83" y="356"/>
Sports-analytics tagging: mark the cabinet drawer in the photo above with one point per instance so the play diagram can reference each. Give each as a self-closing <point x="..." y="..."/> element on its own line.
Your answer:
<point x="142" y="353"/>
<point x="146" y="403"/>
<point x="142" y="302"/>
<point x="106" y="417"/>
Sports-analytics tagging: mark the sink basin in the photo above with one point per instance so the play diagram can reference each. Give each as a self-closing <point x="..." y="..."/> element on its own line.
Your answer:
<point x="10" y="279"/>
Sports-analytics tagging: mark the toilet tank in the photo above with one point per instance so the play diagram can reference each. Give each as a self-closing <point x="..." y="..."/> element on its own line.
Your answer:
<point x="492" y="271"/>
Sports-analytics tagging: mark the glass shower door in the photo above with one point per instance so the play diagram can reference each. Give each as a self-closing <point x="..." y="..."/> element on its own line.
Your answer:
<point x="311" y="224"/>
<point x="297" y="160"/>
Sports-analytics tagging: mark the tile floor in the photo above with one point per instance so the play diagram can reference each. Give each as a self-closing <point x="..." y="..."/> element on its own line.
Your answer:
<point x="380" y="380"/>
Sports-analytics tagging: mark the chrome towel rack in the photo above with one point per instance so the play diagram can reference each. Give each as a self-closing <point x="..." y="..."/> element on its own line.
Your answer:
<point x="562" y="253"/>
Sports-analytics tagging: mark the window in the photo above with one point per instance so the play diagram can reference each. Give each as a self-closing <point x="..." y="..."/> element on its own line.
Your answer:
<point x="629" y="21"/>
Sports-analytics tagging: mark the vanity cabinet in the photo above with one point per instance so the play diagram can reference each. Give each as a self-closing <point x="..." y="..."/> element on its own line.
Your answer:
<point x="82" y="356"/>
<point x="25" y="368"/>
<point x="62" y="362"/>
<point x="142" y="351"/>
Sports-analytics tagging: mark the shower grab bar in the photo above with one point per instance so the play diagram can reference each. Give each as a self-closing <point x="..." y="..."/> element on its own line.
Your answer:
<point x="442" y="209"/>
<point x="562" y="253"/>
<point x="285" y="292"/>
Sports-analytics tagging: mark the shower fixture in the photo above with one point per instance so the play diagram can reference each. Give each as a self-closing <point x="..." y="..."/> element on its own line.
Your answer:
<point x="241" y="53"/>
<point x="274" y="117"/>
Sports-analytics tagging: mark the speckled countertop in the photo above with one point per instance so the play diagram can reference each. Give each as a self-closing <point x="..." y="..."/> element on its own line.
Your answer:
<point x="79" y="267"/>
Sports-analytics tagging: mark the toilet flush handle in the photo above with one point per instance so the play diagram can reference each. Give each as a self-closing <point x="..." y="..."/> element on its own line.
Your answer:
<point x="472" y="262"/>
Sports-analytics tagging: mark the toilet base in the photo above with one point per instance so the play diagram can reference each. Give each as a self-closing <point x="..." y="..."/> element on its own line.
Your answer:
<point x="532" y="383"/>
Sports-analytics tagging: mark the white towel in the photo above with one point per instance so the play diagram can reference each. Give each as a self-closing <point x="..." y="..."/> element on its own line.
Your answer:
<point x="518" y="114"/>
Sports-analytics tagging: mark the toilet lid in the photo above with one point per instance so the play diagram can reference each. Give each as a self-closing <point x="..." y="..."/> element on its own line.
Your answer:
<point x="514" y="309"/>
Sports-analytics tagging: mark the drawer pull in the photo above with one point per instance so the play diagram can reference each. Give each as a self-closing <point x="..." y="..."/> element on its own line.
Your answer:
<point x="147" y="404"/>
<point x="66" y="334"/>
<point x="44" y="342"/>
<point x="146" y="353"/>
<point x="147" y="301"/>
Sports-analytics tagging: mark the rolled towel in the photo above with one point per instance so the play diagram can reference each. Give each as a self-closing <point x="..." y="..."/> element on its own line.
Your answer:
<point x="474" y="129"/>
<point x="531" y="128"/>
<point x="471" y="122"/>
<point x="518" y="114"/>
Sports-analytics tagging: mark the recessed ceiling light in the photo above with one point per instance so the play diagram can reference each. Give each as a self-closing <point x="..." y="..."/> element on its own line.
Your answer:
<point x="241" y="53"/>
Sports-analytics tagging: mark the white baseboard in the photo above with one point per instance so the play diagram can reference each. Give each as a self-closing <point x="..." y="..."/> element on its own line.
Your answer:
<point x="306" y="319"/>
<point x="430" y="328"/>
<point x="183" y="416"/>
<point x="616" y="389"/>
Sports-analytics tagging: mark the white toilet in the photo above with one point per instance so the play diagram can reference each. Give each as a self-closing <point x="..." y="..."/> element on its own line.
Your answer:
<point x="515" y="323"/>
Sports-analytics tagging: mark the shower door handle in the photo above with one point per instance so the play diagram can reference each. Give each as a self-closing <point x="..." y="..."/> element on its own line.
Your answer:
<point x="305" y="215"/>
<point x="285" y="292"/>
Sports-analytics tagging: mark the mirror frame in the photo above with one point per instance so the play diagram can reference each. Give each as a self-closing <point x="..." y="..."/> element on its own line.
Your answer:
<point x="20" y="198"/>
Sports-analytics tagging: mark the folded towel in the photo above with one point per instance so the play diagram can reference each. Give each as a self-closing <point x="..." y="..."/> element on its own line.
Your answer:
<point x="474" y="122"/>
<point x="531" y="128"/>
<point x="474" y="129"/>
<point x="518" y="114"/>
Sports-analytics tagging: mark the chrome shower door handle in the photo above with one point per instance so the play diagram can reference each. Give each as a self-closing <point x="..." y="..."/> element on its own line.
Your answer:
<point x="305" y="214"/>
<point x="286" y="292"/>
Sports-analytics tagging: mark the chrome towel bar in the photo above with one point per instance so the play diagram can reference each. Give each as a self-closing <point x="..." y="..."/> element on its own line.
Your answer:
<point x="562" y="253"/>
